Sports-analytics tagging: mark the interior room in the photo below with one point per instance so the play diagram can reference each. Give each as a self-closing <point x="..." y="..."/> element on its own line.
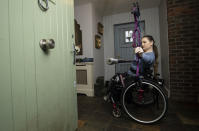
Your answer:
<point x="89" y="13"/>
<point x="155" y="20"/>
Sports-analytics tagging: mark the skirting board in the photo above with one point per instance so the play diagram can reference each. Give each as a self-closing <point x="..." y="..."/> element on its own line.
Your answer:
<point x="88" y="92"/>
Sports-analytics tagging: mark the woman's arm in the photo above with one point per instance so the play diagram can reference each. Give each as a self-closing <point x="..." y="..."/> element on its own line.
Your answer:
<point x="148" y="58"/>
<point x="139" y="51"/>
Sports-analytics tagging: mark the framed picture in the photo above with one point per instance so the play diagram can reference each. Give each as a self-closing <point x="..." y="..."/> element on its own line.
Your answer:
<point x="78" y="39"/>
<point x="97" y="41"/>
<point x="100" y="28"/>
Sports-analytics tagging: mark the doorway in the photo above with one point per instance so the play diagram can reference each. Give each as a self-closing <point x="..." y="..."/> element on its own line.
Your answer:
<point x="123" y="44"/>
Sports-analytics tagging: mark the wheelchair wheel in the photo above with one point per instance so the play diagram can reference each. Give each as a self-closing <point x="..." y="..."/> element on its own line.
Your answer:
<point x="145" y="103"/>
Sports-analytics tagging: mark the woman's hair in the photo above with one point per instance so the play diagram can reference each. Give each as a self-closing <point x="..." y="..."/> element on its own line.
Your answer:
<point x="155" y="50"/>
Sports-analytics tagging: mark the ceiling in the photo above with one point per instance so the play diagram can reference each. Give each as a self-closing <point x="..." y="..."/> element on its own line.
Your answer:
<point x="108" y="7"/>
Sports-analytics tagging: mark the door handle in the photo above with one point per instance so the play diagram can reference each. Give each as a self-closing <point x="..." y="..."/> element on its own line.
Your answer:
<point x="46" y="44"/>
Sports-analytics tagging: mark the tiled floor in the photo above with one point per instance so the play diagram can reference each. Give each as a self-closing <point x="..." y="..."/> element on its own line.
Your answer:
<point x="95" y="115"/>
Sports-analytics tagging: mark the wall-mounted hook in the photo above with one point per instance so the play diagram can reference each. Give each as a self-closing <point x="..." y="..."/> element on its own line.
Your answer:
<point x="43" y="4"/>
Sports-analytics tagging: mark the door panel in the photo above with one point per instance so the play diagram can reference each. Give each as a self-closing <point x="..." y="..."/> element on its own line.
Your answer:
<point x="54" y="84"/>
<point x="48" y="70"/>
<point x="29" y="60"/>
<point x="6" y="119"/>
<point x="36" y="88"/>
<point x="17" y="64"/>
<point x="123" y="44"/>
<point x="71" y="76"/>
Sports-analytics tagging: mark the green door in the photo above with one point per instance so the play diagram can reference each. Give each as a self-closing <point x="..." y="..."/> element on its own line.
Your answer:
<point x="37" y="87"/>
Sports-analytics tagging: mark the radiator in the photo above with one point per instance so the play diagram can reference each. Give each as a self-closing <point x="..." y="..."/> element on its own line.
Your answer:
<point x="81" y="76"/>
<point x="84" y="78"/>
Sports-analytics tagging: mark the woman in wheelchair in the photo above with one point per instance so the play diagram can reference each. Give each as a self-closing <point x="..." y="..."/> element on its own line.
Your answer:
<point x="146" y="55"/>
<point x="141" y="97"/>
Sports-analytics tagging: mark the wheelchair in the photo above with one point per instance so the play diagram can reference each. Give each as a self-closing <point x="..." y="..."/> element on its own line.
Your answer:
<point x="142" y="97"/>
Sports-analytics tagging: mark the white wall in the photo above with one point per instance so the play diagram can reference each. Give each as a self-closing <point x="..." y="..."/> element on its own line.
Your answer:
<point x="151" y="18"/>
<point x="87" y="16"/>
<point x="98" y="53"/>
<point x="83" y="15"/>
<point x="164" y="41"/>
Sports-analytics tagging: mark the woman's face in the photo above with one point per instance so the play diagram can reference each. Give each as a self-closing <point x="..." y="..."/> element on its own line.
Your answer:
<point x="146" y="44"/>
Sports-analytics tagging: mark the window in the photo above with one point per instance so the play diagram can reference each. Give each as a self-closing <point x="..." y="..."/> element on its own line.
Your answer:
<point x="129" y="36"/>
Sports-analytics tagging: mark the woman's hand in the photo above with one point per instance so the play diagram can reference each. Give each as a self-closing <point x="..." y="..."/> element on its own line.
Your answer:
<point x="139" y="51"/>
